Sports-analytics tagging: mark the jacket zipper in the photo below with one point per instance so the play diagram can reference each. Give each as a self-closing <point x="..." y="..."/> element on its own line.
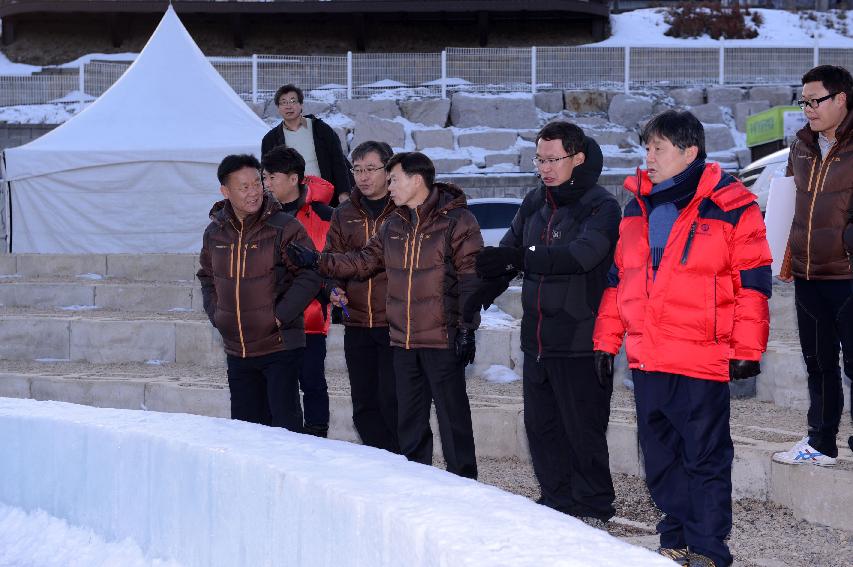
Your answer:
<point x="687" y="244"/>
<point x="818" y="186"/>
<point x="542" y="278"/>
<point x="411" y="269"/>
<point x="237" y="292"/>
<point x="715" y="309"/>
<point x="231" y="260"/>
<point x="367" y="234"/>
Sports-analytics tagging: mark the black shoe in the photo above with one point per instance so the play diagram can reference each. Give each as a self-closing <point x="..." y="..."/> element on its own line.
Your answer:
<point x="317" y="430"/>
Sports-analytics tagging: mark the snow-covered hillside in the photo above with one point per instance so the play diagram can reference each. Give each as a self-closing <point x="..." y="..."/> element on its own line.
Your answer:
<point x="780" y="29"/>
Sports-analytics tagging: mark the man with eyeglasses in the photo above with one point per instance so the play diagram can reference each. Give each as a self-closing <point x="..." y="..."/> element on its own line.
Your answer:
<point x="367" y="346"/>
<point x="562" y="239"/>
<point x="315" y="141"/>
<point x="819" y="258"/>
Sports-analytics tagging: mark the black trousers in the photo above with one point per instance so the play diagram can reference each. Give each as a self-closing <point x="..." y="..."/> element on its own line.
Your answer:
<point x="424" y="375"/>
<point x="683" y="425"/>
<point x="566" y="412"/>
<point x="825" y="321"/>
<point x="312" y="381"/>
<point x="265" y="389"/>
<point x="370" y="364"/>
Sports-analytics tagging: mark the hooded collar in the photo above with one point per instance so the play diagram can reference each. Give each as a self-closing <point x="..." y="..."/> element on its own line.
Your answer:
<point x="584" y="177"/>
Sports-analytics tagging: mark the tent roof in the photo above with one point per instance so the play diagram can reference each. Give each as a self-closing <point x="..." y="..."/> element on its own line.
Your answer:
<point x="170" y="105"/>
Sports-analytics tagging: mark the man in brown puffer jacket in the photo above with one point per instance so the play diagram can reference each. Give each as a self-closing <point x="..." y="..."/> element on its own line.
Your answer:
<point x="254" y="295"/>
<point x="819" y="255"/>
<point x="428" y="248"/>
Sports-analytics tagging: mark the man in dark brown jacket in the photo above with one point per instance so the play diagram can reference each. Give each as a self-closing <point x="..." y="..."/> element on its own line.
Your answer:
<point x="819" y="255"/>
<point x="366" y="341"/>
<point x="254" y="295"/>
<point x="428" y="248"/>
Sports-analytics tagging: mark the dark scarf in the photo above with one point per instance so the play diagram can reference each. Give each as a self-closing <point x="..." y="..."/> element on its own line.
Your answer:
<point x="666" y="201"/>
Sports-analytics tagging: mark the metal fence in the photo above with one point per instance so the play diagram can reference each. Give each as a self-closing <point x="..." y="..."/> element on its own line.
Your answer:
<point x="528" y="69"/>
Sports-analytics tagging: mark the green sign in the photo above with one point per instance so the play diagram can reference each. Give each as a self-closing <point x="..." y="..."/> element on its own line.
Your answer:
<point x="769" y="126"/>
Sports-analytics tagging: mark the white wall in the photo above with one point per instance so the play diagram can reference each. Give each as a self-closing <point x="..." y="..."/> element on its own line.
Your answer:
<point x="206" y="491"/>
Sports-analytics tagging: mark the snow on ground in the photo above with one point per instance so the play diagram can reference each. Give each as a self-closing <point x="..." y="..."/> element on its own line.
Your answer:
<point x="495" y="318"/>
<point x="128" y="57"/>
<point x="499" y="374"/>
<point x="781" y="28"/>
<point x="9" y="68"/>
<point x="37" y="539"/>
<point x="40" y="113"/>
<point x="208" y="491"/>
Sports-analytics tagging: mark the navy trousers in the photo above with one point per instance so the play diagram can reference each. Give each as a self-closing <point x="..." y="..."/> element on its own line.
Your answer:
<point x="683" y="425"/>
<point x="825" y="321"/>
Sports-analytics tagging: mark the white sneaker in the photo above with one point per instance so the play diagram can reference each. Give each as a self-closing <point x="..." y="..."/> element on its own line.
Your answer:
<point x="804" y="454"/>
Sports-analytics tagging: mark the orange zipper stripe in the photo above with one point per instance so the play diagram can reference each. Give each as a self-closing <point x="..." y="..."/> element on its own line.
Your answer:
<point x="237" y="293"/>
<point x="409" y="292"/>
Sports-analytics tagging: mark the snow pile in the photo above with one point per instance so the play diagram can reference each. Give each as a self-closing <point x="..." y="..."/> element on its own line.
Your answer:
<point x="40" y="540"/>
<point x="499" y="374"/>
<point x="781" y="28"/>
<point x="206" y="491"/>
<point x="495" y="318"/>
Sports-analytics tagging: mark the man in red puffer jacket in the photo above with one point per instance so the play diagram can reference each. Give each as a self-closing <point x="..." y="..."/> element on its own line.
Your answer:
<point x="306" y="198"/>
<point x="689" y="286"/>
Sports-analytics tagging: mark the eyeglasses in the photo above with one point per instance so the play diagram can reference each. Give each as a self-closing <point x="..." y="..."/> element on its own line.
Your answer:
<point x="363" y="170"/>
<point x="285" y="102"/>
<point x="814" y="102"/>
<point x="539" y="162"/>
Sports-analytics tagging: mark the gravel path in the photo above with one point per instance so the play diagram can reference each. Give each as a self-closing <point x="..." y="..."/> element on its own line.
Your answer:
<point x="763" y="534"/>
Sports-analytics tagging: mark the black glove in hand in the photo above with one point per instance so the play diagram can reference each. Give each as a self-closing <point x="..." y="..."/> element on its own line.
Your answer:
<point x="466" y="346"/>
<point x="740" y="369"/>
<point x="302" y="256"/>
<point x="496" y="261"/>
<point x="603" y="362"/>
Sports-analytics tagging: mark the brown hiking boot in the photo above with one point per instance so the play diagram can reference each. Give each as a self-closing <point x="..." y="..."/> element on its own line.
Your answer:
<point x="678" y="555"/>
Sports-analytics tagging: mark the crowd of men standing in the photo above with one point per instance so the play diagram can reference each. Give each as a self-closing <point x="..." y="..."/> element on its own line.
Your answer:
<point x="682" y="275"/>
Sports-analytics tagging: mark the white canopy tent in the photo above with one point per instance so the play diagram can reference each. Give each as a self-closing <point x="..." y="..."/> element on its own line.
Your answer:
<point x="136" y="170"/>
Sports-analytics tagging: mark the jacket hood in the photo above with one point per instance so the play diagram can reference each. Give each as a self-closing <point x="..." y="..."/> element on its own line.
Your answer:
<point x="586" y="174"/>
<point x="318" y="190"/>
<point x="807" y="135"/>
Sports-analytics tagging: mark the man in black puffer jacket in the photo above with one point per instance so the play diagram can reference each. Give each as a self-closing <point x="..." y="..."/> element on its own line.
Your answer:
<point x="562" y="238"/>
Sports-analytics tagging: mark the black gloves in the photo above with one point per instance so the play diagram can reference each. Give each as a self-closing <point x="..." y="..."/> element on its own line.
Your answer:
<point x="302" y="256"/>
<point x="603" y="363"/>
<point x="466" y="346"/>
<point x="740" y="369"/>
<point x="496" y="261"/>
